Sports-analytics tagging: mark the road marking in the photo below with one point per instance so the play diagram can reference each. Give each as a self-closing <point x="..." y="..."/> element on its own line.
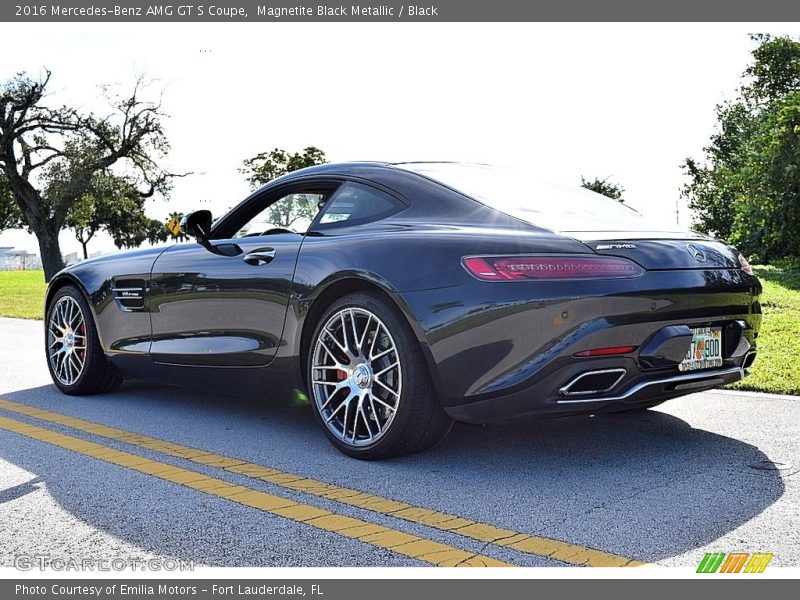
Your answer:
<point x="531" y="544"/>
<point x="422" y="549"/>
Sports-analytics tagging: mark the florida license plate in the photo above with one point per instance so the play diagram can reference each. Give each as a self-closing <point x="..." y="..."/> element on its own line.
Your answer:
<point x="705" y="351"/>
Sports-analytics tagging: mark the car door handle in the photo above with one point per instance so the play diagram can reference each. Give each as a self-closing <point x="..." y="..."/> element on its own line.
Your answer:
<point x="259" y="257"/>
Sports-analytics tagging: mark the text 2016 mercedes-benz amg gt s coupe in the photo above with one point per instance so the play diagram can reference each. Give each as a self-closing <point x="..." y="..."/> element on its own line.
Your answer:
<point x="403" y="297"/>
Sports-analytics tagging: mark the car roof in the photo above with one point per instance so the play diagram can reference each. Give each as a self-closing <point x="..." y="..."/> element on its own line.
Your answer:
<point x="398" y="178"/>
<point x="361" y="168"/>
<point x="402" y="177"/>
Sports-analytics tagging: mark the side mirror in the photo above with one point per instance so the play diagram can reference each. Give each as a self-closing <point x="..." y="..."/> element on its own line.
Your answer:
<point x="197" y="224"/>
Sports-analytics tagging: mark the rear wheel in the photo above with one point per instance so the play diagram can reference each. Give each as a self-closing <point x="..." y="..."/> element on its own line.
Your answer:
<point x="75" y="358"/>
<point x="370" y="386"/>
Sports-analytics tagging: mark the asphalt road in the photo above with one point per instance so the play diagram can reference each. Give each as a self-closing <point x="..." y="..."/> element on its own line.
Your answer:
<point x="664" y="486"/>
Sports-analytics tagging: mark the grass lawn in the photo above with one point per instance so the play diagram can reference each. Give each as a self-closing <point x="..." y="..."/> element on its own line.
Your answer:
<point x="21" y="294"/>
<point x="777" y="369"/>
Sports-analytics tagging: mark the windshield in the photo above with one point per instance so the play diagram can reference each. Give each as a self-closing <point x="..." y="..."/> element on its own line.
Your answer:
<point x="544" y="204"/>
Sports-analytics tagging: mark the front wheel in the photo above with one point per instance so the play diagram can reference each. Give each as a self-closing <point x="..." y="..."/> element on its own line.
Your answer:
<point x="369" y="383"/>
<point x="75" y="357"/>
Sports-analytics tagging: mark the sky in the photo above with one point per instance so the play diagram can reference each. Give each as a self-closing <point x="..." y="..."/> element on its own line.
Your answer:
<point x="625" y="101"/>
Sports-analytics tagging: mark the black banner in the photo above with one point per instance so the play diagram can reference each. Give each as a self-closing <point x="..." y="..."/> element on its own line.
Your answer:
<point x="350" y="589"/>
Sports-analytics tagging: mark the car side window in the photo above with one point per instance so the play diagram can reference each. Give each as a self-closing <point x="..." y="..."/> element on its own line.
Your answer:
<point x="355" y="204"/>
<point x="293" y="212"/>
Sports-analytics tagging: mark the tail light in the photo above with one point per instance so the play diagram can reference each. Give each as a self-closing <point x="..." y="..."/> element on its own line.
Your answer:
<point x="548" y="267"/>
<point x="607" y="351"/>
<point x="745" y="265"/>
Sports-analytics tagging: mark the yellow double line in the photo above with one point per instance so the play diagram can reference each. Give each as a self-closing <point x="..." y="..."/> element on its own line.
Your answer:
<point x="383" y="537"/>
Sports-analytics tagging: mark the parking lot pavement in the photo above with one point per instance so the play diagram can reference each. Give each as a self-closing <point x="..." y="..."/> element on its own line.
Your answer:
<point x="153" y="470"/>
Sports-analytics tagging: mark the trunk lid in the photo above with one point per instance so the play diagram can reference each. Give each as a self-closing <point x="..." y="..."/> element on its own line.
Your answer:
<point x="665" y="254"/>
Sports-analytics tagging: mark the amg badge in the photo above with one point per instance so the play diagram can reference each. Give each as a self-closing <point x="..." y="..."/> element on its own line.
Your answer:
<point x="624" y="246"/>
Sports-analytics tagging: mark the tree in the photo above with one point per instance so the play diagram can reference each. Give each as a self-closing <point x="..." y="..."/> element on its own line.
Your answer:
<point x="114" y="205"/>
<point x="50" y="156"/>
<point x="605" y="187"/>
<point x="746" y="188"/>
<point x="266" y="166"/>
<point x="9" y="215"/>
<point x="156" y="231"/>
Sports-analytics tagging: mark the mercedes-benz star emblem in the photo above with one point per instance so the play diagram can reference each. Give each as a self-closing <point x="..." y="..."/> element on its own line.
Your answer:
<point x="698" y="254"/>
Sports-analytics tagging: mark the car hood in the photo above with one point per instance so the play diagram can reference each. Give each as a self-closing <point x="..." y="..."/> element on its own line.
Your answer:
<point x="121" y="256"/>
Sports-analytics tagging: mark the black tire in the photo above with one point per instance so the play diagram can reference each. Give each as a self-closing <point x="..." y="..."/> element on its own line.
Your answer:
<point x="97" y="375"/>
<point x="419" y="422"/>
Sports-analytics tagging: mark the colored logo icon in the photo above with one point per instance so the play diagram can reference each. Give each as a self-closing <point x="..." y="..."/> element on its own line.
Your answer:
<point x="734" y="562"/>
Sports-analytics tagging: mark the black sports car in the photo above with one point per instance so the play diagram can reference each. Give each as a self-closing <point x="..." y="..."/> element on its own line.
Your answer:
<point x="403" y="297"/>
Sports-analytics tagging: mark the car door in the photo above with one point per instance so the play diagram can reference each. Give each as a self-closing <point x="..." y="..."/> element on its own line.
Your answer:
<point x="224" y="303"/>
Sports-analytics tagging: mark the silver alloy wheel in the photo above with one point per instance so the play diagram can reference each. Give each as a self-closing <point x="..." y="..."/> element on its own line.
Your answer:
<point x="66" y="340"/>
<point x="356" y="376"/>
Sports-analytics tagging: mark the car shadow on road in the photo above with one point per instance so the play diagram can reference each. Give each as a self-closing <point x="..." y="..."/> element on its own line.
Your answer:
<point x="644" y="485"/>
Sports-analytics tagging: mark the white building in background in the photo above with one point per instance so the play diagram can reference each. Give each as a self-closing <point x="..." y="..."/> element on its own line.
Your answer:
<point x="18" y="260"/>
<point x="14" y="259"/>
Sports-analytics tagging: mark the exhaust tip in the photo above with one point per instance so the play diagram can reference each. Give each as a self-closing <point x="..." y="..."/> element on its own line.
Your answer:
<point x="592" y="382"/>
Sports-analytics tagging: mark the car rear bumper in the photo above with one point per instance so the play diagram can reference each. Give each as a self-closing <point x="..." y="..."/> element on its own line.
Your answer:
<point x="642" y="392"/>
<point x="501" y="350"/>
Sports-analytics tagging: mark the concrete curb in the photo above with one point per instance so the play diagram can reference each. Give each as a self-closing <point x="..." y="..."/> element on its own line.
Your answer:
<point x="2" y="318"/>
<point x="745" y="393"/>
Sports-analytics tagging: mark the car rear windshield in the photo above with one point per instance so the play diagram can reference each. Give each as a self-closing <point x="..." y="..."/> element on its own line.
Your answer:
<point x="541" y="203"/>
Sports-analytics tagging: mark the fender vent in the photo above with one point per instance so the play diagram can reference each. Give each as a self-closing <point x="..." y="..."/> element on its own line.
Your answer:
<point x="129" y="294"/>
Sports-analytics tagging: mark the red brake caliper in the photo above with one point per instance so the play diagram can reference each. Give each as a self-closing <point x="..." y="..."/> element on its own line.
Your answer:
<point x="82" y="332"/>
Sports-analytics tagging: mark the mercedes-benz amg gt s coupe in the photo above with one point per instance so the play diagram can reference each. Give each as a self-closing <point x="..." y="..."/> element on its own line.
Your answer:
<point x="402" y="297"/>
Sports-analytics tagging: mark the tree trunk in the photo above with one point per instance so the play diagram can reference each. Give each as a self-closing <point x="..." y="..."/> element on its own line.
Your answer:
<point x="50" y="251"/>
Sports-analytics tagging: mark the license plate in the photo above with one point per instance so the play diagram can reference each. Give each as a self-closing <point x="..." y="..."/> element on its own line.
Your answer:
<point x="705" y="351"/>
